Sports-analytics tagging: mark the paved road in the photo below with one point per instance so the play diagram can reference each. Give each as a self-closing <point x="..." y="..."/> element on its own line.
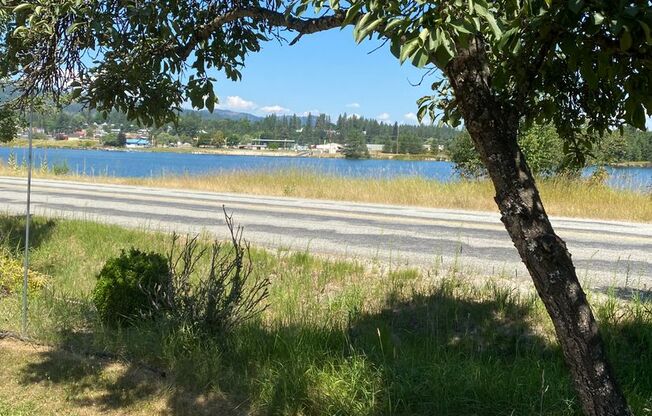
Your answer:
<point x="605" y="252"/>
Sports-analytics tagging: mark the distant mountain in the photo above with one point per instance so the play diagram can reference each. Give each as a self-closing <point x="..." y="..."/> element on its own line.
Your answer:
<point x="219" y="114"/>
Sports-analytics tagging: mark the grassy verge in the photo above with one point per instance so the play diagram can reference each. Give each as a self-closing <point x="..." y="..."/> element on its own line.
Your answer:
<point x="338" y="338"/>
<point x="562" y="197"/>
<point x="56" y="144"/>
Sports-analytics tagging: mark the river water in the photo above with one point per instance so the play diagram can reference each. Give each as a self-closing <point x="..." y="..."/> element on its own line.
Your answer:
<point x="153" y="164"/>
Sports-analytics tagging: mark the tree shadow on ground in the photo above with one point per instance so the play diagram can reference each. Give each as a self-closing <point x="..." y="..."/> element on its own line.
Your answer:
<point x="12" y="232"/>
<point x="430" y="354"/>
<point x="628" y="293"/>
<point x="116" y="382"/>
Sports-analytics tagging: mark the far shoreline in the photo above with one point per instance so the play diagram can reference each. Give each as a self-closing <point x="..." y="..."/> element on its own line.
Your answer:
<point x="79" y="145"/>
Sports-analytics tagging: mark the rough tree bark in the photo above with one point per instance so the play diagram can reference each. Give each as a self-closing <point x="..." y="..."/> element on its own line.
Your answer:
<point x="493" y="126"/>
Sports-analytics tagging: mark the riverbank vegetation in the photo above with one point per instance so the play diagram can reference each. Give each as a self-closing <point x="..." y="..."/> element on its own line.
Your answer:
<point x="337" y="337"/>
<point x="548" y="155"/>
<point x="564" y="196"/>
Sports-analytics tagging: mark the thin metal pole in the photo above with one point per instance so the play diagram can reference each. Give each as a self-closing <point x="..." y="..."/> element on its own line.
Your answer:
<point x="27" y="221"/>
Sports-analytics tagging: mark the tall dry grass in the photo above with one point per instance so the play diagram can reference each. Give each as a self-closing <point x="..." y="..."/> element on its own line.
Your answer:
<point x="561" y="196"/>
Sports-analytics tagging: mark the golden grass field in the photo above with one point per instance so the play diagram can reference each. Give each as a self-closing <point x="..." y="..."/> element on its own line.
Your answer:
<point x="561" y="196"/>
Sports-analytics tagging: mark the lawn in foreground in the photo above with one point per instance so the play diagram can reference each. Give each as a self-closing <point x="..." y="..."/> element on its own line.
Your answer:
<point x="338" y="338"/>
<point x="562" y="196"/>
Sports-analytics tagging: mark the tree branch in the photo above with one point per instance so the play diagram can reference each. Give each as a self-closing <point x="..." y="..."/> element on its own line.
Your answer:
<point x="272" y="17"/>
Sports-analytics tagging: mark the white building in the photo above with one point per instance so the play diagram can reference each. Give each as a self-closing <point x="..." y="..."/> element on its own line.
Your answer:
<point x="375" y="147"/>
<point x="330" y="148"/>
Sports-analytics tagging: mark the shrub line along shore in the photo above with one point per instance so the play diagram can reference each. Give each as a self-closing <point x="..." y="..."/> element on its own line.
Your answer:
<point x="94" y="145"/>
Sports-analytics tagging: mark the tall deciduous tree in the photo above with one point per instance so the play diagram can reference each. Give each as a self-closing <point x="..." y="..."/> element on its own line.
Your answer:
<point x="583" y="65"/>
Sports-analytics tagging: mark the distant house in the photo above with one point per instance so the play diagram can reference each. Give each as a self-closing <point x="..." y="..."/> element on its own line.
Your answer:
<point x="375" y="147"/>
<point x="265" y="143"/>
<point x="77" y="135"/>
<point x="138" y="143"/>
<point x="330" y="148"/>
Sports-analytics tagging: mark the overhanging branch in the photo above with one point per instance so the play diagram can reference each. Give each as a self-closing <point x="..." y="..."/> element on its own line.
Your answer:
<point x="272" y="17"/>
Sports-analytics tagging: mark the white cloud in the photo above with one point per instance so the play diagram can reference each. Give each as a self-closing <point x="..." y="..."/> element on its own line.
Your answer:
<point x="411" y="117"/>
<point x="275" y="109"/>
<point x="353" y="105"/>
<point x="383" y="117"/>
<point x="313" y="112"/>
<point x="234" y="102"/>
<point x="354" y="115"/>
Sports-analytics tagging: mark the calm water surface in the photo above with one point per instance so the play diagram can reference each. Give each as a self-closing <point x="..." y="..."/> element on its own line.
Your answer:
<point x="152" y="164"/>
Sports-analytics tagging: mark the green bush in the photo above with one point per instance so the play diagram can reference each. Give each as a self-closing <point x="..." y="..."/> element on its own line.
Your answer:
<point x="131" y="286"/>
<point x="542" y="146"/>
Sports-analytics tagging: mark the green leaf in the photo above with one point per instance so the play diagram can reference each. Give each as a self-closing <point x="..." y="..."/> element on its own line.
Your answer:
<point x="421" y="113"/>
<point x="360" y="26"/>
<point x="489" y="17"/>
<point x="597" y="18"/>
<point x="442" y="57"/>
<point x="423" y="36"/>
<point x="626" y="40"/>
<point x="363" y="32"/>
<point x="646" y="29"/>
<point x="352" y="14"/>
<point x="575" y="5"/>
<point x="392" y="24"/>
<point x="407" y="49"/>
<point x="395" y="48"/>
<point x="21" y="7"/>
<point x="420" y="59"/>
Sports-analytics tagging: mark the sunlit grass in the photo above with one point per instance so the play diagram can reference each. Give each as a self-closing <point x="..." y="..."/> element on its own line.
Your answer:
<point x="339" y="337"/>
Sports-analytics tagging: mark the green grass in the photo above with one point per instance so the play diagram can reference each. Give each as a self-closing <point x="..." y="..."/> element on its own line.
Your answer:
<point x="338" y="338"/>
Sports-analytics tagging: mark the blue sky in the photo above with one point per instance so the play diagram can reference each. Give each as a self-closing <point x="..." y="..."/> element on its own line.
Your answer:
<point x="325" y="72"/>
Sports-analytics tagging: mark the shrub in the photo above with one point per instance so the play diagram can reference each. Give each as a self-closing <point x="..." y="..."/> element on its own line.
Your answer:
<point x="61" y="168"/>
<point x="129" y="285"/>
<point x="222" y="295"/>
<point x="11" y="276"/>
<point x="544" y="150"/>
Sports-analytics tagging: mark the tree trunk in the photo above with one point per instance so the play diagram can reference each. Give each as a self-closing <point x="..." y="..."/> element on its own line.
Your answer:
<point x="493" y="126"/>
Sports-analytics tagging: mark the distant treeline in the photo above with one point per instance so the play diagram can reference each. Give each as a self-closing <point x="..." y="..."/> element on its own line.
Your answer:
<point x="228" y="128"/>
<point x="202" y="128"/>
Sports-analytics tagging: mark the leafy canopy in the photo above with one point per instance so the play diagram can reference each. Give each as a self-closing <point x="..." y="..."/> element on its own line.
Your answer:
<point x="8" y="125"/>
<point x="579" y="63"/>
<point x="582" y="64"/>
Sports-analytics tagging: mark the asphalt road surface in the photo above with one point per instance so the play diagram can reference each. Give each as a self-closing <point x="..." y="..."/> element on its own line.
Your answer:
<point x="606" y="253"/>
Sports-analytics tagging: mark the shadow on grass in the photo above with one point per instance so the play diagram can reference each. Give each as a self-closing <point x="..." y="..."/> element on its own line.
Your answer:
<point x="117" y="381"/>
<point x="12" y="232"/>
<point x="433" y="354"/>
<point x="628" y="293"/>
